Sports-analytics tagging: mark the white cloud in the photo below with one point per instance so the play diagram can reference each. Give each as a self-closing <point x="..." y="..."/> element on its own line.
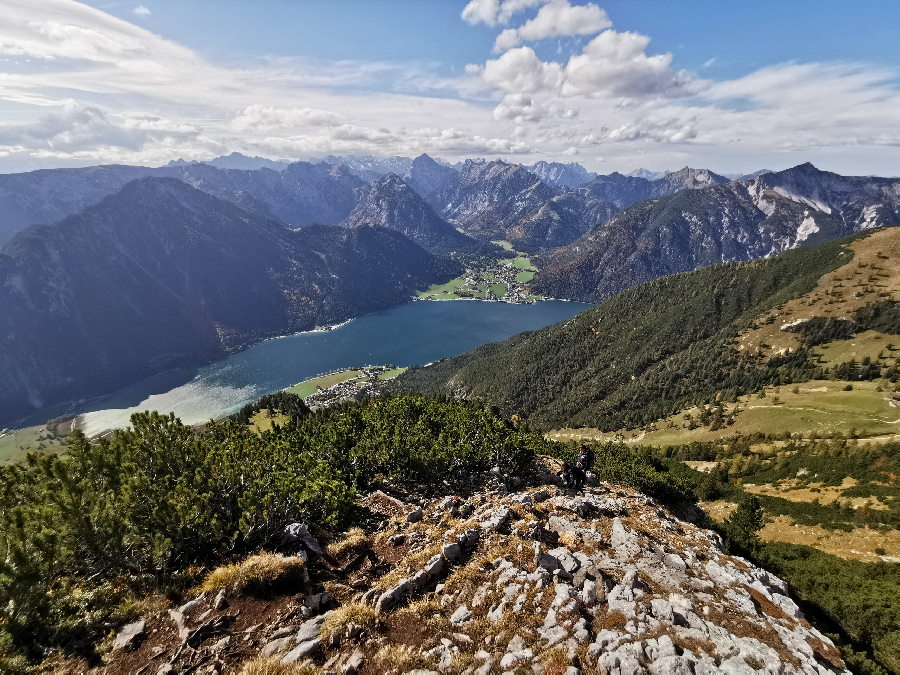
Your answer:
<point x="659" y="131"/>
<point x="613" y="65"/>
<point x="258" y="117"/>
<point x="71" y="130"/>
<point x="556" y="19"/>
<point x="82" y="87"/>
<point x="520" y="71"/>
<point x="141" y="10"/>
<point x="617" y="64"/>
<point x="523" y="108"/>
<point x="494" y="12"/>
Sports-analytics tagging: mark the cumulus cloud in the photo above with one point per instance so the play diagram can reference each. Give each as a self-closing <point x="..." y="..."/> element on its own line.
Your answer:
<point x="660" y="131"/>
<point x="523" y="108"/>
<point x="617" y="64"/>
<point x="613" y="66"/>
<point x="520" y="71"/>
<point x="78" y="84"/>
<point x="494" y="12"/>
<point x="141" y="10"/>
<point x="555" y="19"/>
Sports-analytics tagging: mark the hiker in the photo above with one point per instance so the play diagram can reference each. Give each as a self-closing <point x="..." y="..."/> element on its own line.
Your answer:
<point x="586" y="458"/>
<point x="571" y="476"/>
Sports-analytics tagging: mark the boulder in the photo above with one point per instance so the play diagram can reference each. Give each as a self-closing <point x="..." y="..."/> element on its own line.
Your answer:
<point x="192" y="606"/>
<point x="130" y="636"/>
<point x="354" y="664"/>
<point x="276" y="646"/>
<point x="461" y="616"/>
<point x="298" y="533"/>
<point x="393" y="597"/>
<point x="301" y="651"/>
<point x="567" y="561"/>
<point x="452" y="552"/>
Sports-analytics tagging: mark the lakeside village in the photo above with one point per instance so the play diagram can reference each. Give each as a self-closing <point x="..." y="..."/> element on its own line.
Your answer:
<point x="493" y="280"/>
<point x="345" y="385"/>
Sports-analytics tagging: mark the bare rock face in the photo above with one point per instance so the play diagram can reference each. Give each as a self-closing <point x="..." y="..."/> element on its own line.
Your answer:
<point x="614" y="584"/>
<point x="130" y="635"/>
<point x="625" y="588"/>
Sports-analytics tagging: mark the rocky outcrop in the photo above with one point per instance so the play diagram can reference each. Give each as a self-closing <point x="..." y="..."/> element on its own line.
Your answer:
<point x="539" y="581"/>
<point x="564" y="175"/>
<point x="391" y="203"/>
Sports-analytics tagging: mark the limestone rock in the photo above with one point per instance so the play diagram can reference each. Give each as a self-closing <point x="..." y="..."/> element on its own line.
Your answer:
<point x="129" y="636"/>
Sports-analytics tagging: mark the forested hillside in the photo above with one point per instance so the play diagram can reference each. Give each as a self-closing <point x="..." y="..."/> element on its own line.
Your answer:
<point x="653" y="349"/>
<point x="162" y="275"/>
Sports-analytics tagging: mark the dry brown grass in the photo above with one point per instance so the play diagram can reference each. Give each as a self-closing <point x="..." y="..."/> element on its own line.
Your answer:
<point x="262" y="572"/>
<point x="796" y="491"/>
<point x="860" y="543"/>
<point x="826" y="651"/>
<point x="353" y="542"/>
<point x="268" y="666"/>
<point x="426" y="612"/>
<point x="351" y="613"/>
<point x="340" y="592"/>
<point x="398" y="659"/>
<point x="613" y="620"/>
<point x="870" y="276"/>
<point x="555" y="661"/>
<point x="768" y="607"/>
<point x="404" y="568"/>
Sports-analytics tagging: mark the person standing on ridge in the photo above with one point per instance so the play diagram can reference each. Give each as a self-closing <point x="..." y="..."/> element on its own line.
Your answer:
<point x="586" y="458"/>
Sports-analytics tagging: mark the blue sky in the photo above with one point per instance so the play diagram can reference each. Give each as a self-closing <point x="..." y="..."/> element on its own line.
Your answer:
<point x="614" y="85"/>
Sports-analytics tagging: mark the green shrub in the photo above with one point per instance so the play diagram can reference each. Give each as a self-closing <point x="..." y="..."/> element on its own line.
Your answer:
<point x="82" y="532"/>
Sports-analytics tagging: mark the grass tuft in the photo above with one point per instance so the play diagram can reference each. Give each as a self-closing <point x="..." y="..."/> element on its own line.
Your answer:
<point x="269" y="666"/>
<point x="399" y="659"/>
<point x="351" y="613"/>
<point x="260" y="573"/>
<point x="353" y="542"/>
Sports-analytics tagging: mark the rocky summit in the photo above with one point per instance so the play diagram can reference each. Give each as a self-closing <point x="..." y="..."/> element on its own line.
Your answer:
<point x="539" y="580"/>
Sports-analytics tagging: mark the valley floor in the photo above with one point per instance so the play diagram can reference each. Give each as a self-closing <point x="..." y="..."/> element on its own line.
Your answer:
<point x="504" y="279"/>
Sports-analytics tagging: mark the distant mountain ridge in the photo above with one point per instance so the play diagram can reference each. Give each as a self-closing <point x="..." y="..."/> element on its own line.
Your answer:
<point x="537" y="211"/>
<point x="237" y="160"/>
<point x="722" y="222"/>
<point x="300" y="194"/>
<point x="393" y="204"/>
<point x="162" y="275"/>
<point x="568" y="175"/>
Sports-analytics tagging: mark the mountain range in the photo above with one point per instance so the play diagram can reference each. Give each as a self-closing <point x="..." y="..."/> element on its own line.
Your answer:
<point x="162" y="275"/>
<point x="391" y="203"/>
<point x="317" y="243"/>
<point x="675" y="342"/>
<point x="300" y="194"/>
<point x="721" y="222"/>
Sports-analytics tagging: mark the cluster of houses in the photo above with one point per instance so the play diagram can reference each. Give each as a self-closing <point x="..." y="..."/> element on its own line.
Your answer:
<point x="366" y="383"/>
<point x="476" y="280"/>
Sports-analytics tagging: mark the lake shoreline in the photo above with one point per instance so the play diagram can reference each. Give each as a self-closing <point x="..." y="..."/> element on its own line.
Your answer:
<point x="415" y="332"/>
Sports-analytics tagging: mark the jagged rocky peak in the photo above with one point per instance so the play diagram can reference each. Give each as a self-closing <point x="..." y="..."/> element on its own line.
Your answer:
<point x="566" y="175"/>
<point x="390" y="202"/>
<point x="647" y="173"/>
<point x="692" y="178"/>
<point x="429" y="178"/>
<point x="860" y="201"/>
<point x="370" y="168"/>
<point x="238" y="160"/>
<point x="540" y="580"/>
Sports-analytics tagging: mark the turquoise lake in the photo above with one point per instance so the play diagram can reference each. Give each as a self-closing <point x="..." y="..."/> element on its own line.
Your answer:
<point x="415" y="333"/>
